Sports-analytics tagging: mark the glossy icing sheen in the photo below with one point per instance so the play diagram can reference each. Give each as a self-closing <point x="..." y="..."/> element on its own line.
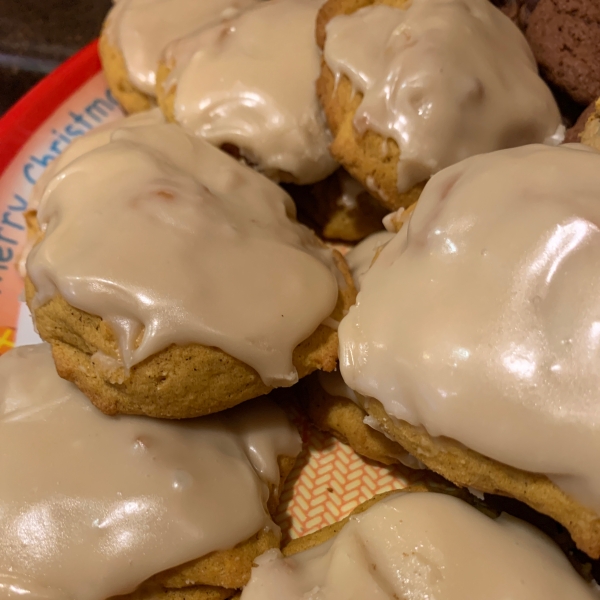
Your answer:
<point x="480" y="320"/>
<point x="178" y="243"/>
<point x="250" y="82"/>
<point x="90" y="141"/>
<point x="142" y="29"/>
<point x="445" y="79"/>
<point x="422" y="546"/>
<point x="91" y="506"/>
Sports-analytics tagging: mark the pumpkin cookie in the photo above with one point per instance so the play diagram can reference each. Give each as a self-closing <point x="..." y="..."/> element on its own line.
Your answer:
<point x="397" y="117"/>
<point x="416" y="543"/>
<point x="136" y="32"/>
<point x="180" y="509"/>
<point x="208" y="293"/>
<point x="248" y="86"/>
<point x="475" y="354"/>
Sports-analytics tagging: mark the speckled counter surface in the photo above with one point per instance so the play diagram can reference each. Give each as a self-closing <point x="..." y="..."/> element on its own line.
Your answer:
<point x="37" y="35"/>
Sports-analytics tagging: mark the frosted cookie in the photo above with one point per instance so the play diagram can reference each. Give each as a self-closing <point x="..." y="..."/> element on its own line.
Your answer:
<point x="591" y="132"/>
<point x="136" y="32"/>
<point x="518" y="11"/>
<point x="419" y="545"/>
<point x="398" y="116"/>
<point x="91" y="140"/>
<point x="192" y="288"/>
<point x="93" y="507"/>
<point x="339" y="208"/>
<point x="248" y="85"/>
<point x="474" y="335"/>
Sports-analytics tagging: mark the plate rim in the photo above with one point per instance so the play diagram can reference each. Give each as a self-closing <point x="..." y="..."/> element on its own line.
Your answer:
<point x="25" y="117"/>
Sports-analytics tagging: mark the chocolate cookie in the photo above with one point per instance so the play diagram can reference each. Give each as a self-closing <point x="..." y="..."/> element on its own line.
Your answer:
<point x="564" y="36"/>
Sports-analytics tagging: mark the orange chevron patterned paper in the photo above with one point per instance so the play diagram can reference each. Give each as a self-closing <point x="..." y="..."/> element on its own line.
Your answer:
<point x="328" y="482"/>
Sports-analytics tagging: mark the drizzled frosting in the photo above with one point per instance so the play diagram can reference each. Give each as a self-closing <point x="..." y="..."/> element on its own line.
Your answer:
<point x="422" y="545"/>
<point x="91" y="506"/>
<point x="250" y="82"/>
<point x="359" y="259"/>
<point x="480" y="320"/>
<point x="445" y="79"/>
<point x="142" y="29"/>
<point x="178" y="243"/>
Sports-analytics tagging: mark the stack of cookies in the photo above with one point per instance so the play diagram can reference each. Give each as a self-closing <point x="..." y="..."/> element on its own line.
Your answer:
<point x="184" y="306"/>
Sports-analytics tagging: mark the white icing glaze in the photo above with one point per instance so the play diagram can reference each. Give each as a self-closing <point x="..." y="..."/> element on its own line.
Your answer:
<point x="250" y="82"/>
<point x="445" y="79"/>
<point x="142" y="29"/>
<point x="422" y="546"/>
<point x="90" y="141"/>
<point x="480" y="320"/>
<point x="91" y="506"/>
<point x="179" y="243"/>
<point x="359" y="259"/>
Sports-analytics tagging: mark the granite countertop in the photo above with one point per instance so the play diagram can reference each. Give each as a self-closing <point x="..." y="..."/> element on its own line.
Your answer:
<point x="37" y="35"/>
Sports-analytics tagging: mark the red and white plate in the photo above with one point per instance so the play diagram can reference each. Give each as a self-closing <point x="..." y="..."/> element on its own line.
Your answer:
<point x="329" y="479"/>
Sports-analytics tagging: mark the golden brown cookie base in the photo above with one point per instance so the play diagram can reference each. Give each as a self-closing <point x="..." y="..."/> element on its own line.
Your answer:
<point x="178" y="382"/>
<point x="127" y="95"/>
<point x="591" y="133"/>
<point x="165" y="96"/>
<point x="344" y="420"/>
<point x="363" y="157"/>
<point x="467" y="468"/>
<point x="323" y="209"/>
<point x="194" y="592"/>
